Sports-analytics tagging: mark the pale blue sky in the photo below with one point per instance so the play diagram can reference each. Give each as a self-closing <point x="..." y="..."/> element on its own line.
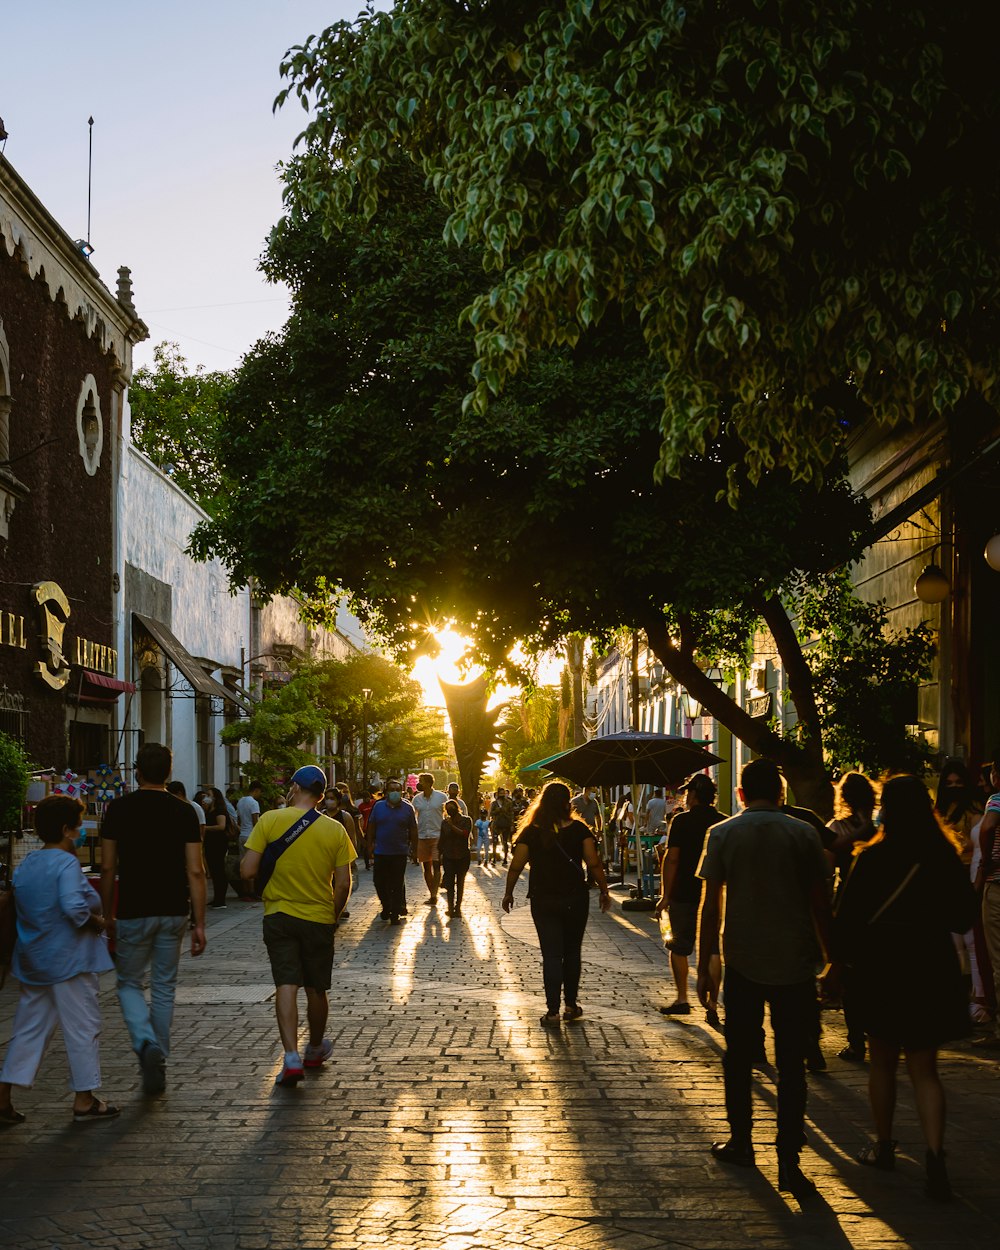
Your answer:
<point x="185" y="148"/>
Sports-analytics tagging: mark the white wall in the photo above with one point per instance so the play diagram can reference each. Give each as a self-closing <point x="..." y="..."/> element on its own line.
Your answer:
<point x="156" y="521"/>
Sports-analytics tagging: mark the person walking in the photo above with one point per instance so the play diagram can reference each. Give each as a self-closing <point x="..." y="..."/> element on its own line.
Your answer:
<point x="456" y="830"/>
<point x="501" y="823"/>
<point x="907" y="893"/>
<point x="483" y="837"/>
<point x="301" y="861"/>
<point x="455" y="796"/>
<point x="428" y="804"/>
<point x="151" y="842"/>
<point x="558" y="847"/>
<point x="988" y="889"/>
<point x="774" y="873"/>
<point x="248" y="810"/>
<point x="391" y="836"/>
<point x="680" y="889"/>
<point x="59" y="954"/>
<point x="216" y="843"/>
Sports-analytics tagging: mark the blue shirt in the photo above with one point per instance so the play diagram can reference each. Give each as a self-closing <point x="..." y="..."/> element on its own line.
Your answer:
<point x="483" y="827"/>
<point x="392" y="827"/>
<point x="54" y="899"/>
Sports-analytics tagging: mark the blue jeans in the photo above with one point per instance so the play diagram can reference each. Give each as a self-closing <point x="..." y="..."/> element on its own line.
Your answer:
<point x="153" y="943"/>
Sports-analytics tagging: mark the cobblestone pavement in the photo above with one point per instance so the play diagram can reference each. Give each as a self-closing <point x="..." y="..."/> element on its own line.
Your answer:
<point x="449" y="1120"/>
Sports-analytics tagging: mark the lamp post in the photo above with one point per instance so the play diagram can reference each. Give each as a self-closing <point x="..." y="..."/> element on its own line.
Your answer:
<point x="366" y="695"/>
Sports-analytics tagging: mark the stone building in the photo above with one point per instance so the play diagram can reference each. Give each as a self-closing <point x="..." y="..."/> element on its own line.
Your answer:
<point x="66" y="345"/>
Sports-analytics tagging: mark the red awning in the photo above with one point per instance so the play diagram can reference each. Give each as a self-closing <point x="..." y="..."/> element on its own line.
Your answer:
<point x="109" y="683"/>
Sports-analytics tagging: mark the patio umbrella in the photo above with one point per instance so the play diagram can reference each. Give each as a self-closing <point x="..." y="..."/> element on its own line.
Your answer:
<point x="632" y="758"/>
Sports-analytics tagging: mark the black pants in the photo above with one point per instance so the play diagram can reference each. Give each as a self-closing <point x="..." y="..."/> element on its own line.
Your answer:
<point x="793" y="1015"/>
<point x="453" y="878"/>
<point x="387" y="876"/>
<point x="216" y="845"/>
<point x="560" y="923"/>
<point x="500" y="834"/>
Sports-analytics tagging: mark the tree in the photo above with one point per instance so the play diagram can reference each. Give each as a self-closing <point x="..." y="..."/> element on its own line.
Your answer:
<point x="791" y="197"/>
<point x="15" y="773"/>
<point x="533" y="726"/>
<point x="534" y="521"/>
<point x="852" y="650"/>
<point x="401" y="747"/>
<point x="278" y="729"/>
<point x="392" y="715"/>
<point x="175" y="421"/>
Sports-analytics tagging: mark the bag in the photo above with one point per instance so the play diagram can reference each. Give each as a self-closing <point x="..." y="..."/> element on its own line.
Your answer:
<point x="279" y="846"/>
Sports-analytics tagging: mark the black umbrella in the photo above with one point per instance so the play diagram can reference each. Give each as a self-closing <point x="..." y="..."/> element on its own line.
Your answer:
<point x="632" y="758"/>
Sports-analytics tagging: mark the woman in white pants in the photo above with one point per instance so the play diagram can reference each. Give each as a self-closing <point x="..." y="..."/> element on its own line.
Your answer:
<point x="59" y="953"/>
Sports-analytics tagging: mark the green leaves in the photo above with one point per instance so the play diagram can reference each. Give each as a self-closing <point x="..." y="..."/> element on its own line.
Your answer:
<point x="793" y="154"/>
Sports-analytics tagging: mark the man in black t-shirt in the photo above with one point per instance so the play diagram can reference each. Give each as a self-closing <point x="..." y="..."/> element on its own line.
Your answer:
<point x="680" y="892"/>
<point x="152" y="841"/>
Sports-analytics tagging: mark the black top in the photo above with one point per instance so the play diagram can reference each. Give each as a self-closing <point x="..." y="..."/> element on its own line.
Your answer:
<point x="152" y="829"/>
<point x="556" y="864"/>
<point x="454" y="840"/>
<point x="687" y="833"/>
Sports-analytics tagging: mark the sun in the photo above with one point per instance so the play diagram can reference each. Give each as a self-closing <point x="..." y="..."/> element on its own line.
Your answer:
<point x="430" y="671"/>
<point x="446" y="666"/>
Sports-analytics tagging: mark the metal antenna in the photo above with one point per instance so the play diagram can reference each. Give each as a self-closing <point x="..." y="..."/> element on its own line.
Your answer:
<point x="90" y="171"/>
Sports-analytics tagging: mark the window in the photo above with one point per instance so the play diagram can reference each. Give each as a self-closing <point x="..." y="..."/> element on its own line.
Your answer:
<point x="88" y="746"/>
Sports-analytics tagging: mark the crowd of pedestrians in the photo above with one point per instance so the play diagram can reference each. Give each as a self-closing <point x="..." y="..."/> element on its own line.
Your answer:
<point x="873" y="912"/>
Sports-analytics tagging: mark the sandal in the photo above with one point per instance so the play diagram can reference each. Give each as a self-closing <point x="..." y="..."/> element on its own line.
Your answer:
<point x="549" y="1021"/>
<point x="97" y="1111"/>
<point x="9" y="1116"/>
<point x="879" y="1154"/>
<point x="573" y="1013"/>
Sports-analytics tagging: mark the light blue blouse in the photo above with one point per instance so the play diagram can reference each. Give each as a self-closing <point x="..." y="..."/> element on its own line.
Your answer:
<point x="54" y="899"/>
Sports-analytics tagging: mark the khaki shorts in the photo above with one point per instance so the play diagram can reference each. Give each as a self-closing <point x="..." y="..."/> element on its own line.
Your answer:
<point x="427" y="850"/>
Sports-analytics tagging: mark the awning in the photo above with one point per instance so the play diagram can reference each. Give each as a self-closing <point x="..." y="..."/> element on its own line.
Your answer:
<point x="109" y="683"/>
<point x="185" y="661"/>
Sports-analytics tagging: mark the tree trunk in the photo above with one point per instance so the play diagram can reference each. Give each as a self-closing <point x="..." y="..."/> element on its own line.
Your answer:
<point x="803" y="766"/>
<point x="574" y="658"/>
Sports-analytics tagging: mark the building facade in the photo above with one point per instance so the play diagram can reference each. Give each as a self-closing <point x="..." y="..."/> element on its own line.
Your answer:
<point x="65" y="362"/>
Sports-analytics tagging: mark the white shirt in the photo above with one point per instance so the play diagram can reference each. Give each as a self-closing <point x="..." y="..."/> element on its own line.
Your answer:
<point x="199" y="811"/>
<point x="430" y="811"/>
<point x="246" y="809"/>
<point x="461" y="805"/>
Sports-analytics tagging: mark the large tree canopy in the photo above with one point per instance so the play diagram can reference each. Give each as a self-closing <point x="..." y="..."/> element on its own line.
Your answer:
<point x="349" y="463"/>
<point x="793" y="197"/>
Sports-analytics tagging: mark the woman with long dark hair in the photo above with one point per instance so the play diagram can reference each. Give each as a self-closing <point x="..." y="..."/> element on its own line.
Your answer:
<point x="907" y="893"/>
<point x="554" y="845"/>
<point x="216" y="844"/>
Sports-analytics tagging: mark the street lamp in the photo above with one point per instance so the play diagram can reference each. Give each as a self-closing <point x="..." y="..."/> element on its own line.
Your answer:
<point x="692" y="706"/>
<point x="366" y="695"/>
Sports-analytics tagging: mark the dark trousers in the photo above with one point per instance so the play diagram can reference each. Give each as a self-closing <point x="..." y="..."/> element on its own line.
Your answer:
<point x="453" y="878"/>
<point x="215" y="847"/>
<point x="560" y="924"/>
<point x="793" y="1014"/>
<point x="387" y="876"/>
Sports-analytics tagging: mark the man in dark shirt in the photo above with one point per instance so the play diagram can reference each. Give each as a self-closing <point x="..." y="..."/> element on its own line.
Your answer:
<point x="152" y="841"/>
<point x="680" y="891"/>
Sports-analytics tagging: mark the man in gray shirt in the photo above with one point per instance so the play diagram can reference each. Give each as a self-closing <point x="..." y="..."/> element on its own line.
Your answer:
<point x="777" y="915"/>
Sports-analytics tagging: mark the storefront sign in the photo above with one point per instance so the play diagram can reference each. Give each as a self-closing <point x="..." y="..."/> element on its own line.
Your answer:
<point x="52" y="612"/>
<point x="12" y="631"/>
<point x="96" y="657"/>
<point x="759" y="707"/>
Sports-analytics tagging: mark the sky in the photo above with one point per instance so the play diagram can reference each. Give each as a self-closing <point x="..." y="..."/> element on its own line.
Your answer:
<point x="184" y="149"/>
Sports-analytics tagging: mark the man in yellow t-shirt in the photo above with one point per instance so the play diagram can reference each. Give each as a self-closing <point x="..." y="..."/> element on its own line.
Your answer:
<point x="306" y="892"/>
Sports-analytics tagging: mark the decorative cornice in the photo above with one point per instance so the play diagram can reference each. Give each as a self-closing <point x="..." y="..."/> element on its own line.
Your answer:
<point x="31" y="232"/>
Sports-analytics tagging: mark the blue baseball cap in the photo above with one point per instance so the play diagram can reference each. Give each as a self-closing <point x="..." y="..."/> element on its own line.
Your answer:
<point x="308" y="776"/>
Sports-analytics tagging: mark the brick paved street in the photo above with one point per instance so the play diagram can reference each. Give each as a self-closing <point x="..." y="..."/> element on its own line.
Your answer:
<point x="449" y="1120"/>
